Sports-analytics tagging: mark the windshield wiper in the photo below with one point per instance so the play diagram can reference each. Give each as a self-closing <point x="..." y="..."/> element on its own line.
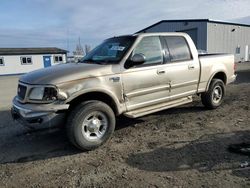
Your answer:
<point x="100" y="62"/>
<point x="86" y="60"/>
<point x="93" y="61"/>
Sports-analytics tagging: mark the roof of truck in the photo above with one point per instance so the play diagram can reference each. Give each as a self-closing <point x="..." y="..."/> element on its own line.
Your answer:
<point x="160" y="33"/>
<point x="154" y="34"/>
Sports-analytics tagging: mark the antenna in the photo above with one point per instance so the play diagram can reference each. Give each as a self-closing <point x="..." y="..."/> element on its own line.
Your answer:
<point x="67" y="39"/>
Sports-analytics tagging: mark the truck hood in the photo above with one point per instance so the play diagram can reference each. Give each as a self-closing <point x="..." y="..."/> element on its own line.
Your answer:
<point x="65" y="72"/>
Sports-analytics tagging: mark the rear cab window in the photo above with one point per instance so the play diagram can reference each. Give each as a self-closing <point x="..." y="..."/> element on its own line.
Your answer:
<point x="177" y="49"/>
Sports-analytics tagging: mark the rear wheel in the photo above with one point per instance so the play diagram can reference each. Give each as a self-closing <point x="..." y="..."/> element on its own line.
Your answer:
<point x="90" y="125"/>
<point x="215" y="94"/>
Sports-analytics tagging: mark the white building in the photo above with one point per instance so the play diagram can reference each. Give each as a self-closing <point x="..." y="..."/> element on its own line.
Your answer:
<point x="23" y="60"/>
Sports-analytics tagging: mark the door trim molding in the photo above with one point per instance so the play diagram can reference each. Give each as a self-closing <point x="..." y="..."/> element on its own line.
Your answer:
<point x="156" y="101"/>
<point x="193" y="82"/>
<point x="147" y="91"/>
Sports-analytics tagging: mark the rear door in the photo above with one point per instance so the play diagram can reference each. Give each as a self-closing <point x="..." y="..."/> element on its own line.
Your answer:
<point x="182" y="70"/>
<point x="146" y="84"/>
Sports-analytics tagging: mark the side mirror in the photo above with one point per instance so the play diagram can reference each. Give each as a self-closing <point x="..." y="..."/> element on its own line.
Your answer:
<point x="138" y="59"/>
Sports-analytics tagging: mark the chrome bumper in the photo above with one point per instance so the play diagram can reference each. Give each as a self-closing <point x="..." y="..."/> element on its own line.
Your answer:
<point x="232" y="78"/>
<point x="38" y="114"/>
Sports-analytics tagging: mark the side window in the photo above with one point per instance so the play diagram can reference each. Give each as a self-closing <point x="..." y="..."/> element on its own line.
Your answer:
<point x="1" y="61"/>
<point x="237" y="50"/>
<point x="178" y="48"/>
<point x="26" y="60"/>
<point x="150" y="47"/>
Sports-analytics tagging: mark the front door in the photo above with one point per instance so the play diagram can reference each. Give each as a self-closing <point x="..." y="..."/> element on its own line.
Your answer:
<point x="46" y="61"/>
<point x="146" y="84"/>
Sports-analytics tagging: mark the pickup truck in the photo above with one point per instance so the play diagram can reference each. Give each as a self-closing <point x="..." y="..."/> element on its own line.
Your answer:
<point x="132" y="75"/>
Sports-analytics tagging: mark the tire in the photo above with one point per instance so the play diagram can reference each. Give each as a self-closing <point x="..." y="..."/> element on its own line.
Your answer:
<point x="213" y="98"/>
<point x="90" y="125"/>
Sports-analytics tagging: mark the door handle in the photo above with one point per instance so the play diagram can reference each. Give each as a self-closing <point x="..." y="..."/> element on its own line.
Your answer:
<point x="160" y="72"/>
<point x="191" y="67"/>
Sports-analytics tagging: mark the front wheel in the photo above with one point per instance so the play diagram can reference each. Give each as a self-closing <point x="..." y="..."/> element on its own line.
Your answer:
<point x="215" y="94"/>
<point x="90" y="125"/>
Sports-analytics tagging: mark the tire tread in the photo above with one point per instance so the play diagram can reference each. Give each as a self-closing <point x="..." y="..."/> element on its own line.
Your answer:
<point x="74" y="117"/>
<point x="206" y="97"/>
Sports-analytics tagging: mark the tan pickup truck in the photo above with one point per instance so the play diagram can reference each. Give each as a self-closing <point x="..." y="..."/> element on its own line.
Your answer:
<point x="131" y="75"/>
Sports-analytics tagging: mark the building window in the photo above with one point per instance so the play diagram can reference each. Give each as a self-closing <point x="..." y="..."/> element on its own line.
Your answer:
<point x="58" y="59"/>
<point x="238" y="50"/>
<point x="1" y="61"/>
<point x="26" y="60"/>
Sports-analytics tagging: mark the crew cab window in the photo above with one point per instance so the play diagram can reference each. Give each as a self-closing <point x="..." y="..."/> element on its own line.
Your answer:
<point x="150" y="47"/>
<point x="178" y="48"/>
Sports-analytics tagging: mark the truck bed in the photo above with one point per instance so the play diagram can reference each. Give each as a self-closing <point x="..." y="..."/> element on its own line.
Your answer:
<point x="211" y="62"/>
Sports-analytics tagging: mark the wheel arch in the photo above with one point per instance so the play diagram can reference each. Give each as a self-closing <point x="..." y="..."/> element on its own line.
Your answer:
<point x="218" y="75"/>
<point x="96" y="95"/>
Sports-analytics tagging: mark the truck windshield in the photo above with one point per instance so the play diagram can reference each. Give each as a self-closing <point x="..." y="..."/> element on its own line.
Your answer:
<point x="110" y="51"/>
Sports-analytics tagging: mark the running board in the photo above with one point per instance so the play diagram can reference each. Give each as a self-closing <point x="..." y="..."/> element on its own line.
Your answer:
<point x="158" y="107"/>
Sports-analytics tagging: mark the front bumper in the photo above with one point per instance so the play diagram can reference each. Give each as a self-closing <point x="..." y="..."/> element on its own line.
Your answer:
<point x="38" y="115"/>
<point x="232" y="78"/>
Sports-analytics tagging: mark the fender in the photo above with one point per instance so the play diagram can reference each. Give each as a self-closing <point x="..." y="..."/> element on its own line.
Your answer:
<point x="212" y="76"/>
<point x="119" y="105"/>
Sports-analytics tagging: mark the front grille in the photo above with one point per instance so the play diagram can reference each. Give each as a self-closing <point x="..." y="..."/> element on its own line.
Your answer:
<point x="21" y="91"/>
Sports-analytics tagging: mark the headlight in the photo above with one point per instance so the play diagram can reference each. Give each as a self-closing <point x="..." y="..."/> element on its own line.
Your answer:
<point x="36" y="93"/>
<point x="43" y="94"/>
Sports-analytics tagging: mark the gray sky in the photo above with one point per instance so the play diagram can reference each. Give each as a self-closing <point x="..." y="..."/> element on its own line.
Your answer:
<point x="35" y="23"/>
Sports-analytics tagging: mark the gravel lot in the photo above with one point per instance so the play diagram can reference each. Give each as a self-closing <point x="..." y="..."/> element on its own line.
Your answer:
<point x="180" y="147"/>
